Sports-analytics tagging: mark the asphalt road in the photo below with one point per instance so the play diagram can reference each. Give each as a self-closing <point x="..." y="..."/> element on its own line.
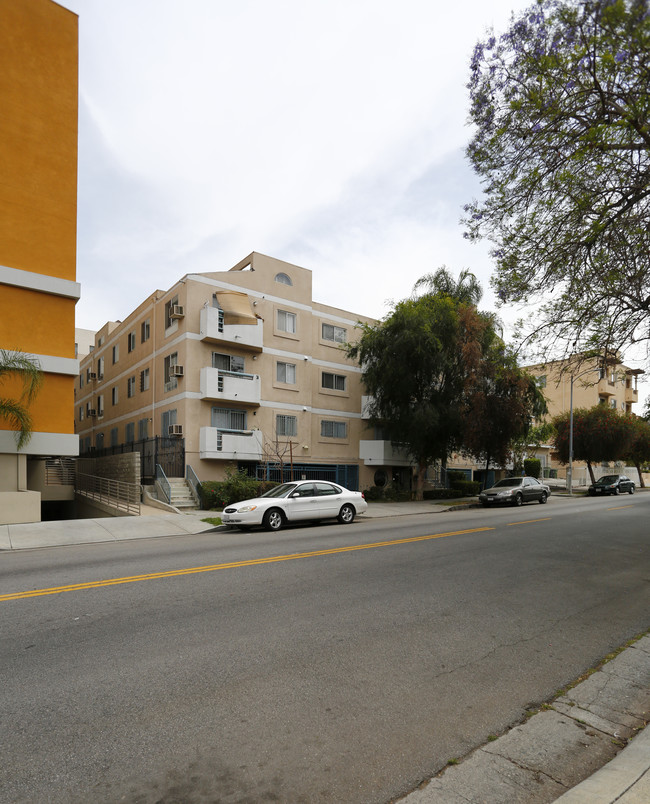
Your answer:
<point x="296" y="667"/>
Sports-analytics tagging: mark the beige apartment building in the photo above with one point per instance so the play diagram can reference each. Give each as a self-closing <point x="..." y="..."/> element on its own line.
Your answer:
<point x="614" y="385"/>
<point x="247" y="369"/>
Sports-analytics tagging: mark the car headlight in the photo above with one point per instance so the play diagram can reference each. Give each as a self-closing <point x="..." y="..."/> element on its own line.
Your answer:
<point x="505" y="493"/>
<point x="246" y="508"/>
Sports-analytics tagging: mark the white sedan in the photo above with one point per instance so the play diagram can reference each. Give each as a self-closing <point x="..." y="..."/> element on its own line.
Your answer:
<point x="295" y="502"/>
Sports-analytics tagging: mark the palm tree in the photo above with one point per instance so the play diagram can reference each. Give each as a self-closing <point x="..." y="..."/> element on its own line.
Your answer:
<point x="16" y="411"/>
<point x="466" y="290"/>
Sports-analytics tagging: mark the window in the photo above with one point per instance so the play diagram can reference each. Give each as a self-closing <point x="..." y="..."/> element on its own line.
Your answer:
<point x="144" y="380"/>
<point x="88" y="373"/>
<point x="114" y="395"/>
<point x="116" y="353"/>
<point x="100" y="368"/>
<point x="145" y="330"/>
<point x="168" y="312"/>
<point x="113" y="436"/>
<point x="100" y="405"/>
<point x="130" y="432"/>
<point x="227" y="362"/>
<point x="541" y="381"/>
<point x="602" y="400"/>
<point x="283" y="279"/>
<point x="286" y="372"/>
<point x="143" y="429"/>
<point x="167" y="419"/>
<point x="613" y="403"/>
<point x="130" y="387"/>
<point x="332" y="333"/>
<point x="228" y="419"/>
<point x="99" y="440"/>
<point x="81" y="381"/>
<point x="81" y="413"/>
<point x="170" y="382"/>
<point x="286" y="425"/>
<point x="131" y="341"/>
<point x="287" y="322"/>
<point x="335" y="382"/>
<point x="330" y="429"/>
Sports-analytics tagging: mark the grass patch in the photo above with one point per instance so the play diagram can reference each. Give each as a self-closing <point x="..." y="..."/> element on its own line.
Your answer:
<point x="212" y="520"/>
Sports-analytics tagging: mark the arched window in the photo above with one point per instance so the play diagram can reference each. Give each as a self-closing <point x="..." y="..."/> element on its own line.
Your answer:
<point x="283" y="279"/>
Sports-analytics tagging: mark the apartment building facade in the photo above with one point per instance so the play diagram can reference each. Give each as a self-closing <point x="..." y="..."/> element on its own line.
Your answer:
<point x="38" y="219"/>
<point x="588" y="382"/>
<point x="244" y="366"/>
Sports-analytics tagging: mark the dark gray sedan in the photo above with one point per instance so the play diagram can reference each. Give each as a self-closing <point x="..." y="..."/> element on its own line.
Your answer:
<point x="612" y="484"/>
<point x="515" y="491"/>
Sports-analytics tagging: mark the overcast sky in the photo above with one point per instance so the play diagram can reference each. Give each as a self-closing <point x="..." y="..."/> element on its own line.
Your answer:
<point x="327" y="133"/>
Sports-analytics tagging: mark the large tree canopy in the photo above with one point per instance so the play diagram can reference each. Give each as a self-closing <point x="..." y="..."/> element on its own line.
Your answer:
<point x="561" y="105"/>
<point x="440" y="378"/>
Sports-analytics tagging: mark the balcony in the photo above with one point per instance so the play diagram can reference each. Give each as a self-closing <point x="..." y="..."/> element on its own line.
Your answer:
<point x="230" y="445"/>
<point x="631" y="395"/>
<point x="232" y="386"/>
<point x="214" y="330"/>
<point x="383" y="453"/>
<point x="606" y="387"/>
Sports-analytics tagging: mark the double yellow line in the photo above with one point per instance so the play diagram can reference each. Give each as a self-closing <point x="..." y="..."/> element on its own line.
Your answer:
<point x="253" y="562"/>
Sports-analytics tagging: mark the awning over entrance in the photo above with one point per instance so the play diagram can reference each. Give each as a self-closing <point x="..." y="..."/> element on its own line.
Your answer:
<point x="237" y="307"/>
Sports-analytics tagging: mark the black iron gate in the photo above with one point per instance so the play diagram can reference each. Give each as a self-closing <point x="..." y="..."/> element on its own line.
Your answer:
<point x="168" y="451"/>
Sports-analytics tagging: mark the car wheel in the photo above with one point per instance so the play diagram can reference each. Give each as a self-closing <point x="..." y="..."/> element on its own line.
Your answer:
<point x="346" y="514"/>
<point x="617" y="490"/>
<point x="632" y="489"/>
<point x="543" y="498"/>
<point x="592" y="493"/>
<point x="273" y="519"/>
<point x="484" y="504"/>
<point x="518" y="500"/>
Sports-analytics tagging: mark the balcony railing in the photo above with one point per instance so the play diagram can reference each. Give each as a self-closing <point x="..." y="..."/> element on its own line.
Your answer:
<point x="214" y="330"/>
<point x="233" y="386"/>
<point x="223" y="444"/>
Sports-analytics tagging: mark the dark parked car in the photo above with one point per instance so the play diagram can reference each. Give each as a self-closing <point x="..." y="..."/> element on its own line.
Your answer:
<point x="515" y="491"/>
<point x="612" y="484"/>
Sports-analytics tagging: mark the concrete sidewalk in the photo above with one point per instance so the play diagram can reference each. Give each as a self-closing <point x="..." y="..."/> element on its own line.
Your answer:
<point x="569" y="751"/>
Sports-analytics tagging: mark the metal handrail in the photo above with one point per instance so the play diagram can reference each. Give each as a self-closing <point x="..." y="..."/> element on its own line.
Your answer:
<point x="116" y="493"/>
<point x="194" y="483"/>
<point x="161" y="479"/>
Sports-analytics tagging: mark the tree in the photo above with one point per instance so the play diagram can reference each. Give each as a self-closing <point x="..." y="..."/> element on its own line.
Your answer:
<point x="599" y="434"/>
<point x="639" y="452"/>
<point x="423" y="365"/>
<point x="500" y="402"/>
<point x="560" y="103"/>
<point x="16" y="411"/>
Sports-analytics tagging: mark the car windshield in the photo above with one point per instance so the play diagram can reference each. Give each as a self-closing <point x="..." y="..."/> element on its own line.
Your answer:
<point x="608" y="479"/>
<point x="280" y="491"/>
<point x="508" y="481"/>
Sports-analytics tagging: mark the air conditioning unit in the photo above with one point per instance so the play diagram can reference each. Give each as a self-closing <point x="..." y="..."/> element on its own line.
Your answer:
<point x="175" y="429"/>
<point x="176" y="371"/>
<point x="177" y="311"/>
<point x="92" y="375"/>
<point x="92" y="412"/>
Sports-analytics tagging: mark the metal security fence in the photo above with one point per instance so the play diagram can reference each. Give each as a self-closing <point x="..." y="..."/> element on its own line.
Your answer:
<point x="167" y="452"/>
<point x="344" y="474"/>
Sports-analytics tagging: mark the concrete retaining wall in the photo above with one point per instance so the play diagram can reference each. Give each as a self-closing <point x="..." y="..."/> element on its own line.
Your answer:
<point x="124" y="467"/>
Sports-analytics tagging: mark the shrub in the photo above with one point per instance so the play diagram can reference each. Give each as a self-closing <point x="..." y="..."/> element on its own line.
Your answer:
<point x="533" y="467"/>
<point x="468" y="488"/>
<point x="442" y="494"/>
<point x="236" y="487"/>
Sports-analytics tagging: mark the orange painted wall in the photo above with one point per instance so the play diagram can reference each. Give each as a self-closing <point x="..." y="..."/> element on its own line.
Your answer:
<point x="38" y="136"/>
<point x="51" y="410"/>
<point x="38" y="323"/>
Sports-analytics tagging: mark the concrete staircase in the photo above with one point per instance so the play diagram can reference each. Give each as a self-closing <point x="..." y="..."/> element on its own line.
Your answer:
<point x="181" y="495"/>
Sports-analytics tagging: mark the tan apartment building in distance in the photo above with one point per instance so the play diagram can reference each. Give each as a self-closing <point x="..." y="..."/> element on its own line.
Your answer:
<point x="245" y="367"/>
<point x="614" y="385"/>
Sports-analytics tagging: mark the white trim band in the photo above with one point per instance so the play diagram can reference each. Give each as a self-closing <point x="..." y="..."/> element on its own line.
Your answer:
<point x="42" y="283"/>
<point x="41" y="444"/>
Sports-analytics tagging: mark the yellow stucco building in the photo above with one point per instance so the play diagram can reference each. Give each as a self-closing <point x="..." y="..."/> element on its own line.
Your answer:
<point x="38" y="227"/>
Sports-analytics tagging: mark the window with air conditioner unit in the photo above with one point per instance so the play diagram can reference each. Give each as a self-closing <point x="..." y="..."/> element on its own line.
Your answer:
<point x="169" y="309"/>
<point x="171" y="381"/>
<point x="175" y="429"/>
<point x="176" y="371"/>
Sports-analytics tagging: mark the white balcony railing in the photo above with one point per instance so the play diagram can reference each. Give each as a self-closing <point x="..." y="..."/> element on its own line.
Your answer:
<point x="382" y="453"/>
<point x="213" y="329"/>
<point x="240" y="445"/>
<point x="232" y="386"/>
